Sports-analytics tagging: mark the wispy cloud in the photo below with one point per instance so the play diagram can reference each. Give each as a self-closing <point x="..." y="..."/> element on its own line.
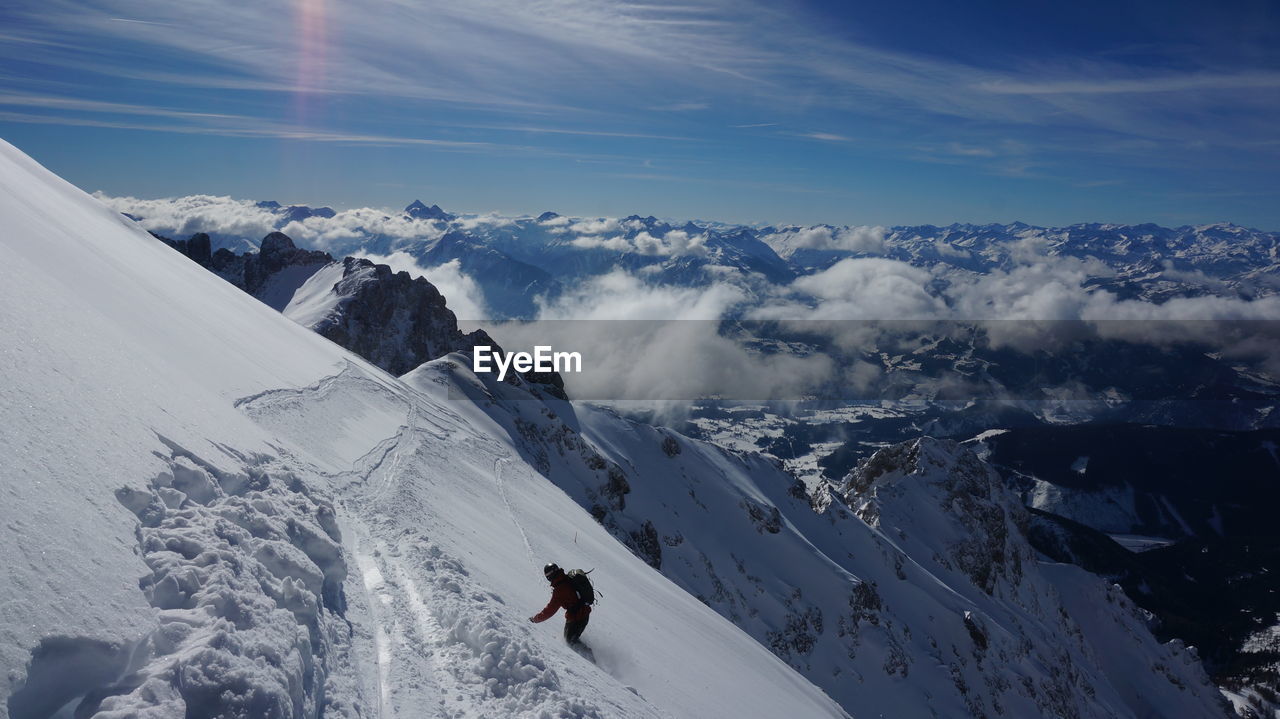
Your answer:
<point x="458" y="75"/>
<point x="51" y="102"/>
<point x="584" y="132"/>
<point x="1193" y="82"/>
<point x="770" y="186"/>
<point x="144" y="22"/>
<point x="956" y="148"/>
<point x="231" y="125"/>
<point x="578" y="56"/>
<point x="683" y="107"/>
<point x="255" y="129"/>
<point x="824" y="136"/>
<point x="1099" y="183"/>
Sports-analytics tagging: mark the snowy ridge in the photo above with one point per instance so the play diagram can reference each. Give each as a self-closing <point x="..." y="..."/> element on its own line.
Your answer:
<point x="391" y="319"/>
<point x="916" y="593"/>
<point x="449" y="559"/>
<point x="1043" y="614"/>
<point x="210" y="510"/>
<point x="314" y="301"/>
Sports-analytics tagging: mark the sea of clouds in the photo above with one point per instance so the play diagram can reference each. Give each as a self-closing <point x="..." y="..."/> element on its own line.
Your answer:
<point x="656" y="341"/>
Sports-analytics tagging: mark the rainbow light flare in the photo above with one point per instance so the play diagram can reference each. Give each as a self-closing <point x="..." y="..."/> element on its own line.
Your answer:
<point x="312" y="44"/>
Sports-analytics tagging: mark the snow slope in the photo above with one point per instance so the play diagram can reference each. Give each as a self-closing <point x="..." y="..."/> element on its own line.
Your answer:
<point x="459" y="527"/>
<point x="314" y="300"/>
<point x="911" y="592"/>
<point x="209" y="510"/>
<point x="121" y="357"/>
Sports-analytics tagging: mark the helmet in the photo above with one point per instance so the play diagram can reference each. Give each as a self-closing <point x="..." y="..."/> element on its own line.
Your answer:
<point x="550" y="570"/>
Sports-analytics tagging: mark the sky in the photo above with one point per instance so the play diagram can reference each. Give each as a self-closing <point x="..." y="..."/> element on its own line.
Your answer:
<point x="732" y="110"/>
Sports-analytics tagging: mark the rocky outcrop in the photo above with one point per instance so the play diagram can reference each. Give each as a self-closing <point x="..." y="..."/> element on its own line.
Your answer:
<point x="198" y="247"/>
<point x="250" y="271"/>
<point x="398" y="321"/>
<point x="392" y="319"/>
<point x="988" y="523"/>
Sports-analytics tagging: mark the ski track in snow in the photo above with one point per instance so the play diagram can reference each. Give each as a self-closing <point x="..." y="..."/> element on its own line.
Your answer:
<point x="371" y="579"/>
<point x="431" y="658"/>
<point x="321" y="385"/>
<point x="435" y="657"/>
<point x="498" y="465"/>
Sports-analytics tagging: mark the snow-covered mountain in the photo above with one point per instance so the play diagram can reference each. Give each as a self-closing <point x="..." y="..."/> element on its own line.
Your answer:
<point x="511" y="288"/>
<point x="419" y="211"/>
<point x="317" y="537"/>
<point x="1172" y="500"/>
<point x="519" y="260"/>
<point x="211" y="510"/>
<point x="1166" y="371"/>
<point x="1135" y="261"/>
<point x="910" y="590"/>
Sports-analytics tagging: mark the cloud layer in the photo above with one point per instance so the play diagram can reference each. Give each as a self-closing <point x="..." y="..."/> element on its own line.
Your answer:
<point x="863" y="239"/>
<point x="181" y="217"/>
<point x="639" y="329"/>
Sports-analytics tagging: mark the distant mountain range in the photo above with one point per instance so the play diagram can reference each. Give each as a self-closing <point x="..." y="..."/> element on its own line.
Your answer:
<point x="519" y="261"/>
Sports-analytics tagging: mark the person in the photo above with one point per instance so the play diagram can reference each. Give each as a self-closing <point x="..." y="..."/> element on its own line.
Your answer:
<point x="563" y="596"/>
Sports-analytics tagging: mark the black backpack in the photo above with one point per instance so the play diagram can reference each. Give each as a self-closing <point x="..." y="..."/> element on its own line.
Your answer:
<point x="581" y="584"/>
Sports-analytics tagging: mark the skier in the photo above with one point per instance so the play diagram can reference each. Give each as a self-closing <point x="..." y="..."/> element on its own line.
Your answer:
<point x="566" y="594"/>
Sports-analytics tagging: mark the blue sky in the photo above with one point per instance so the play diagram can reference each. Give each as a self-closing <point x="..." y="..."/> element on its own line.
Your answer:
<point x="860" y="113"/>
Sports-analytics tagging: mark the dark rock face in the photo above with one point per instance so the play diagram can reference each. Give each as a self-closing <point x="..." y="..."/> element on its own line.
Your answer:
<point x="391" y="319"/>
<point x="644" y="543"/>
<point x="1212" y="491"/>
<point x="394" y="320"/>
<point x="275" y="244"/>
<point x="250" y="271"/>
<point x="765" y="518"/>
<point x="198" y="247"/>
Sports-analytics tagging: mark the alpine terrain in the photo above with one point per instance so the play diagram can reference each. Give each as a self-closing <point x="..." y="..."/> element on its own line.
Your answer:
<point x="269" y="484"/>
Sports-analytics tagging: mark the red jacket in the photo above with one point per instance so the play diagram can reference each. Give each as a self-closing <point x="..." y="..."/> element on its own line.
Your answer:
<point x="563" y="597"/>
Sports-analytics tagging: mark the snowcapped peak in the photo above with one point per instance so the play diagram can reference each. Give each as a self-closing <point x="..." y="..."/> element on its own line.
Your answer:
<point x="1222" y="227"/>
<point x="926" y="460"/>
<point x="298" y="213"/>
<point x="944" y="502"/>
<point x="419" y="211"/>
<point x="649" y="221"/>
